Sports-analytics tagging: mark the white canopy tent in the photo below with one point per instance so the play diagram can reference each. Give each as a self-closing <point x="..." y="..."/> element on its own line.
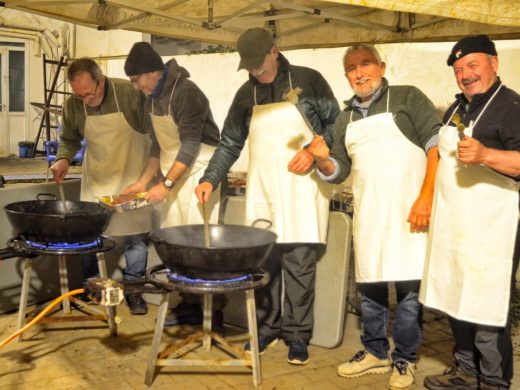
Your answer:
<point x="295" y="24"/>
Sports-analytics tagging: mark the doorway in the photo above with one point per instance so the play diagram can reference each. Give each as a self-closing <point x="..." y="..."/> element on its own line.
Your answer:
<point x="13" y="99"/>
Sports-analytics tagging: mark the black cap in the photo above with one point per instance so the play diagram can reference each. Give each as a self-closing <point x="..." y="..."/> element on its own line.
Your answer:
<point x="142" y="59"/>
<point x="473" y="44"/>
<point x="253" y="45"/>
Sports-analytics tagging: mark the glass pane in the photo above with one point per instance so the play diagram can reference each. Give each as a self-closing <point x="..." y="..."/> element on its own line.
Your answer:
<point x="16" y="81"/>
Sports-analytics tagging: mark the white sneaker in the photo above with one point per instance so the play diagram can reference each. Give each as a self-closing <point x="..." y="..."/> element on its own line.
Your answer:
<point x="364" y="363"/>
<point x="402" y="375"/>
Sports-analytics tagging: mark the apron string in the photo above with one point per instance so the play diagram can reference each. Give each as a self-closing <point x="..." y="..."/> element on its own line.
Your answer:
<point x="115" y="95"/>
<point x="481" y="112"/>
<point x="171" y="96"/>
<point x="453" y="113"/>
<point x="487" y="104"/>
<point x="254" y="90"/>
<point x="387" y="104"/>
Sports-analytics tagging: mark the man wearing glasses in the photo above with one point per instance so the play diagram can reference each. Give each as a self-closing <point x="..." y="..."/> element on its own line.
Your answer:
<point x="108" y="113"/>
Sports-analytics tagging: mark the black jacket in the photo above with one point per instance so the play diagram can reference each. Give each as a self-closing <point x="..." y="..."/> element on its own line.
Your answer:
<point x="316" y="101"/>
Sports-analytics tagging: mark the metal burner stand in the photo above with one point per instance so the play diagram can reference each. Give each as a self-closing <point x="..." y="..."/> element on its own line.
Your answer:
<point x="25" y="248"/>
<point x="171" y="354"/>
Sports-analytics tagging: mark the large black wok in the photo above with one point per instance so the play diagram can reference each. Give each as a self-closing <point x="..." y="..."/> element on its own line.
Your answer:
<point x="234" y="249"/>
<point x="45" y="221"/>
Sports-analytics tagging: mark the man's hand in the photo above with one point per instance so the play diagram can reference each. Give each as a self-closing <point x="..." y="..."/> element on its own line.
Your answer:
<point x="59" y="170"/>
<point x="471" y="151"/>
<point x="203" y="191"/>
<point x="157" y="193"/>
<point x="301" y="162"/>
<point x="419" y="216"/>
<point x="134" y="188"/>
<point x="318" y="149"/>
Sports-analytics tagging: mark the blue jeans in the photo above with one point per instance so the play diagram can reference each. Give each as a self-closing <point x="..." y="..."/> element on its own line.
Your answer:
<point x="407" y="326"/>
<point x="136" y="255"/>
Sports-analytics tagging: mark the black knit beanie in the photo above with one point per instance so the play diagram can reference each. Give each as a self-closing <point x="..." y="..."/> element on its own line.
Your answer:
<point x="142" y="59"/>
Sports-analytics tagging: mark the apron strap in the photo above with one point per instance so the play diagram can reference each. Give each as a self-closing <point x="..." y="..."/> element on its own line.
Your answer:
<point x="254" y="89"/>
<point x="453" y="113"/>
<point x="486" y="106"/>
<point x="115" y="95"/>
<point x="473" y="124"/>
<point x="387" y="104"/>
<point x="171" y="96"/>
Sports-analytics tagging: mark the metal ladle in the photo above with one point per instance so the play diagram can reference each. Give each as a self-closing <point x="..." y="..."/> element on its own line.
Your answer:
<point x="62" y="197"/>
<point x="207" y="242"/>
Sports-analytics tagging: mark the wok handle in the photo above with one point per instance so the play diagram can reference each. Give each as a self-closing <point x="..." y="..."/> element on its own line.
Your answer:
<point x="45" y="194"/>
<point x="266" y="221"/>
<point x="8" y="253"/>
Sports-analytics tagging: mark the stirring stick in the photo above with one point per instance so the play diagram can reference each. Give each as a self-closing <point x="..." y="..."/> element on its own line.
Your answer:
<point x="62" y="196"/>
<point x="207" y="243"/>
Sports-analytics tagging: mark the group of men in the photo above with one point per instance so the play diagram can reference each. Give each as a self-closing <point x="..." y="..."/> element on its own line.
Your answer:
<point x="436" y="202"/>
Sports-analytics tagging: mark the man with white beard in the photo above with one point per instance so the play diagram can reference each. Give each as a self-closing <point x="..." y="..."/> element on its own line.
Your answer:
<point x="387" y="138"/>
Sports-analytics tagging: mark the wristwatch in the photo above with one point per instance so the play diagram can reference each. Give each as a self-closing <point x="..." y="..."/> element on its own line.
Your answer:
<point x="168" y="183"/>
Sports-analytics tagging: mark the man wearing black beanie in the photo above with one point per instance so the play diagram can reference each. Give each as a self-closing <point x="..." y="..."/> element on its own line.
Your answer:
<point x="184" y="137"/>
<point x="474" y="221"/>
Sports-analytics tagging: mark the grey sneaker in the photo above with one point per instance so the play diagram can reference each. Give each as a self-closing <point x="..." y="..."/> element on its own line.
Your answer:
<point x="264" y="343"/>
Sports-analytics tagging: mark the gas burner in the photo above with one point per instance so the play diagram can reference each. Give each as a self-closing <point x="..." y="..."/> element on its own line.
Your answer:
<point x="171" y="280"/>
<point x="64" y="245"/>
<point x="25" y="247"/>
<point x="176" y="278"/>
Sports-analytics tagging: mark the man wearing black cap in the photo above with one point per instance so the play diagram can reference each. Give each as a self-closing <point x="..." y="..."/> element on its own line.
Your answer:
<point x="105" y="112"/>
<point x="184" y="136"/>
<point x="280" y="184"/>
<point x="474" y="220"/>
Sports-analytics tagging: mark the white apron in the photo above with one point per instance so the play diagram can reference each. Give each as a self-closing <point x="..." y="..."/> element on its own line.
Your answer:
<point x="387" y="174"/>
<point x="181" y="206"/>
<point x="475" y="216"/>
<point x="115" y="154"/>
<point x="297" y="205"/>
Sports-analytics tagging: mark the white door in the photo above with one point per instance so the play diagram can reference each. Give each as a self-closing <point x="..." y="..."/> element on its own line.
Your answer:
<point x="13" y="100"/>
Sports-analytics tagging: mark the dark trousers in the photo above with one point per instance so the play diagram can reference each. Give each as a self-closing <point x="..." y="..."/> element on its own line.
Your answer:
<point x="298" y="264"/>
<point x="484" y="351"/>
<point x="374" y="318"/>
<point x="487" y="351"/>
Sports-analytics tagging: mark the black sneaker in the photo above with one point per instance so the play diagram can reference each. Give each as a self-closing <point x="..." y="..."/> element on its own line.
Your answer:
<point x="184" y="314"/>
<point x="298" y="353"/>
<point x="136" y="304"/>
<point x="264" y="343"/>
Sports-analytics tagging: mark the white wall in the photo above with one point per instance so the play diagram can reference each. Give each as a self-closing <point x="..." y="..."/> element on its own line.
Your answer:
<point x="420" y="64"/>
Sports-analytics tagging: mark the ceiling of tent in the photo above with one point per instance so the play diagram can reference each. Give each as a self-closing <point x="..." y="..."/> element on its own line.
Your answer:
<point x="293" y="23"/>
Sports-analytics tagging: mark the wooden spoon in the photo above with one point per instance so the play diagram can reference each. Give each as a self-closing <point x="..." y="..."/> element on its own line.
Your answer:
<point x="62" y="197"/>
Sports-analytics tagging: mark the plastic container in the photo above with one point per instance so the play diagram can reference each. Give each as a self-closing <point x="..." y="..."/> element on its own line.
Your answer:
<point x="25" y="149"/>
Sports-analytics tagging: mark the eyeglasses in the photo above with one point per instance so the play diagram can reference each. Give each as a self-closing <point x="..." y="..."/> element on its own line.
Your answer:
<point x="135" y="79"/>
<point x="88" y="96"/>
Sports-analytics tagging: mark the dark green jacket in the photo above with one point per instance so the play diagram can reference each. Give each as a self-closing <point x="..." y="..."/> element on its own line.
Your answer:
<point x="316" y="101"/>
<point x="413" y="113"/>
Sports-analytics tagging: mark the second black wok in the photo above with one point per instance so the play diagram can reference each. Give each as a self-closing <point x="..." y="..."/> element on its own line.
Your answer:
<point x="234" y="249"/>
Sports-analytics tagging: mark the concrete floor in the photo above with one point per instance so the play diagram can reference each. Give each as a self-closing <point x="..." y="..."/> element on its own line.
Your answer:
<point x="84" y="356"/>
